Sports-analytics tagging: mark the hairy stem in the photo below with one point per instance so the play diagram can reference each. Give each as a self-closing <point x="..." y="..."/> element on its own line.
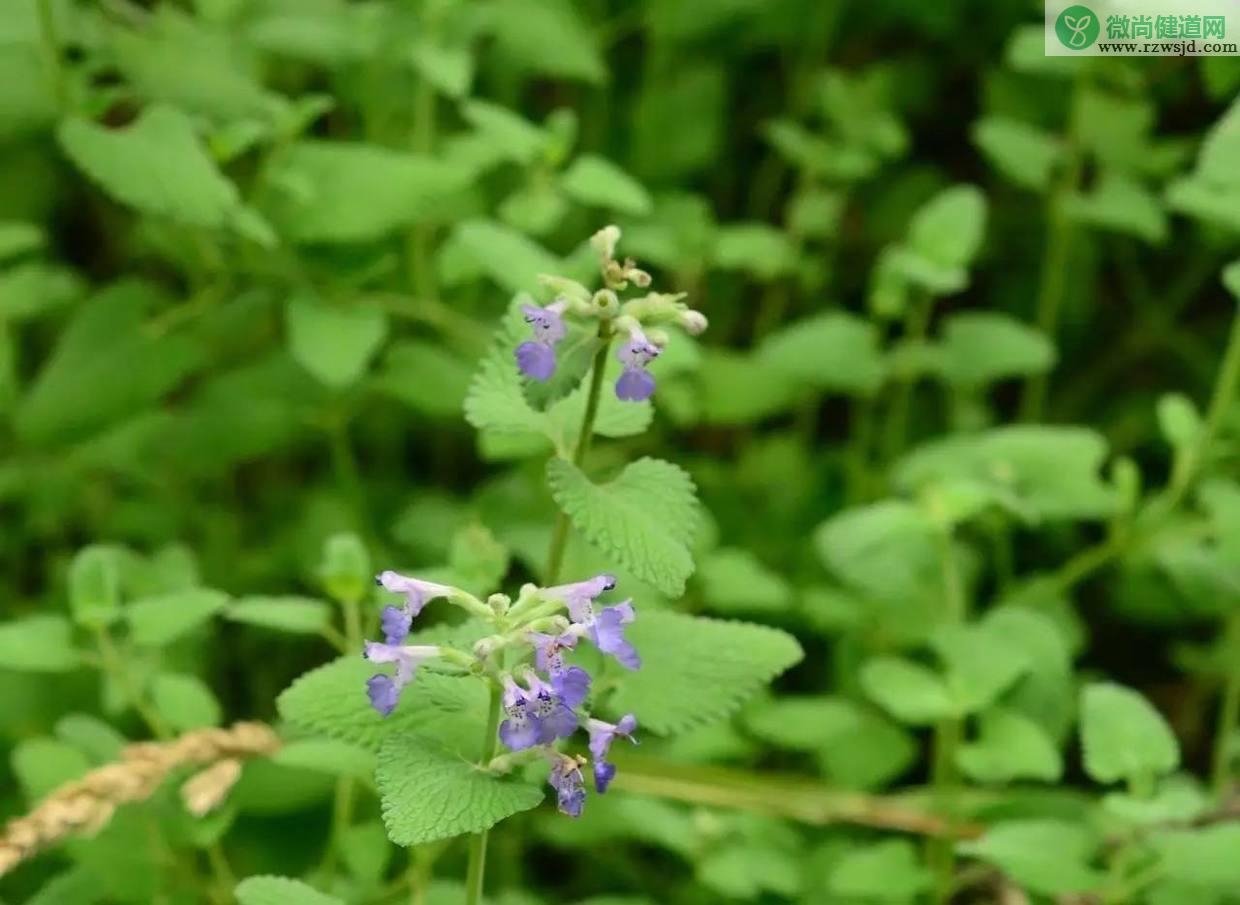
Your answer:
<point x="475" y="873"/>
<point x="559" y="534"/>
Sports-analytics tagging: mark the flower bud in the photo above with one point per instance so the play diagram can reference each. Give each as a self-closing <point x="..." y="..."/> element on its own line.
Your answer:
<point x="693" y="322"/>
<point x="606" y="304"/>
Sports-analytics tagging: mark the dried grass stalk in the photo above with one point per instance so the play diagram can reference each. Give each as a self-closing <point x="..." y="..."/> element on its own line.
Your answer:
<point x="85" y="806"/>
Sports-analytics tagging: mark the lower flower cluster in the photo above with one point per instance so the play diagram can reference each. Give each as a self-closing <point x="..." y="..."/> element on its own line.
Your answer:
<point x="542" y="702"/>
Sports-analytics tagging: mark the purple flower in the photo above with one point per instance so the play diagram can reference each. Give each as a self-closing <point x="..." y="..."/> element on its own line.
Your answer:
<point x="548" y="650"/>
<point x="395" y="622"/>
<point x="579" y="596"/>
<point x="417" y="593"/>
<point x="636" y="383"/>
<point x="536" y="358"/>
<point x="556" y="717"/>
<point x="571" y="685"/>
<point x="601" y="736"/>
<point x="607" y="633"/>
<point x="384" y="690"/>
<point x="523" y="729"/>
<point x="570" y="788"/>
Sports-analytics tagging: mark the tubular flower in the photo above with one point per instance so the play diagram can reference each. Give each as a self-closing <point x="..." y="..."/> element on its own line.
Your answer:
<point x="636" y="383"/>
<point x="384" y="690"/>
<point x="601" y="736"/>
<point x="536" y="358"/>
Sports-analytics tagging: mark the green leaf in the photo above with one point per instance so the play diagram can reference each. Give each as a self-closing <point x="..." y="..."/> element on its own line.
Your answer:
<point x="908" y="691"/>
<point x="595" y="181"/>
<point x="280" y="891"/>
<point x="43" y="764"/>
<point x="696" y="670"/>
<point x="1010" y="746"/>
<point x="1021" y="152"/>
<point x="1123" y="737"/>
<point x="34" y="288"/>
<point x="345" y="568"/>
<point x="1178" y="420"/>
<point x="518" y="139"/>
<point x="888" y="549"/>
<point x="574" y="356"/>
<point x="106" y="365"/>
<point x="162" y="619"/>
<point x="1036" y="471"/>
<point x="450" y="69"/>
<point x="856" y="747"/>
<point x="1121" y="204"/>
<point x="547" y="37"/>
<point x="185" y="702"/>
<point x="513" y="261"/>
<point x="736" y="389"/>
<point x="1204" y="857"/>
<point x="337" y="191"/>
<point x="92" y="736"/>
<point x="332" y="700"/>
<point x="38" y="644"/>
<point x="95" y="586"/>
<point x="887" y="871"/>
<point x="1231" y="279"/>
<point x="430" y="793"/>
<point x="296" y="615"/>
<point x="980" y="663"/>
<point x="335" y="343"/>
<point x="831" y="351"/>
<point x="1048" y="857"/>
<point x="981" y="347"/>
<point x="646" y="517"/>
<point x="743" y="870"/>
<point x="734" y="581"/>
<point x="156" y="165"/>
<point x="425" y="376"/>
<point x="328" y="756"/>
<point x="754" y="248"/>
<point x="943" y="239"/>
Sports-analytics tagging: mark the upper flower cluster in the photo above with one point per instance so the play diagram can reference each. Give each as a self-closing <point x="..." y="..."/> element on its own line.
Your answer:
<point x="536" y="357"/>
<point x="543" y="700"/>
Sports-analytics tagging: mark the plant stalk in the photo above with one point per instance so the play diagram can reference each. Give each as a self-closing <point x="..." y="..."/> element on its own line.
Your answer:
<point x="475" y="873"/>
<point x="559" y="534"/>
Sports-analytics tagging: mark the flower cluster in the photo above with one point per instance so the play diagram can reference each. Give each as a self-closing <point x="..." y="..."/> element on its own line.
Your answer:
<point x="542" y="701"/>
<point x="638" y="348"/>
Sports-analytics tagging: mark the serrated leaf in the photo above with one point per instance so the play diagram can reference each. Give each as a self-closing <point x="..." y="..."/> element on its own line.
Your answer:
<point x="430" y="793"/>
<point x="980" y="347"/>
<point x="697" y="670"/>
<point x="332" y="700"/>
<point x="573" y="357"/>
<point x="646" y="517"/>
<point x="908" y="691"/>
<point x="832" y="351"/>
<point x="185" y="702"/>
<point x="298" y="615"/>
<point x="1123" y="736"/>
<point x="1010" y="746"/>
<point x="597" y="182"/>
<point x="280" y="891"/>
<point x="335" y="343"/>
<point x="38" y="644"/>
<point x="1048" y="857"/>
<point x="159" y="620"/>
<point x="156" y="164"/>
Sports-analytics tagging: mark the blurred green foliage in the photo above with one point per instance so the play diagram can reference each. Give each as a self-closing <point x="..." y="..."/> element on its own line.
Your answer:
<point x="964" y="424"/>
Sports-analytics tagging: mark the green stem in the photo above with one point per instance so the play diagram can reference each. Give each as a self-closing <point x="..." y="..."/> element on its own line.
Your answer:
<point x="1228" y="718"/>
<point x="114" y="665"/>
<point x="475" y="873"/>
<point x="916" y="323"/>
<point x="559" y="534"/>
<point x="1055" y="262"/>
<point x="1220" y="403"/>
<point x="941" y="851"/>
<point x="51" y="53"/>
<point x="421" y="237"/>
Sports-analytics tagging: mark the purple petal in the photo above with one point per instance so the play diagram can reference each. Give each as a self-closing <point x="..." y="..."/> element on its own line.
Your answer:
<point x="579" y="595"/>
<point x="607" y="633"/>
<point x="383" y="693"/>
<point x="521" y="733"/>
<point x="395" y="622"/>
<point x="547" y="325"/>
<point x="604" y="772"/>
<point x="626" y="726"/>
<point x="561" y="722"/>
<point x="571" y="802"/>
<point x="571" y="685"/>
<point x="536" y="360"/>
<point x="634" y="385"/>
